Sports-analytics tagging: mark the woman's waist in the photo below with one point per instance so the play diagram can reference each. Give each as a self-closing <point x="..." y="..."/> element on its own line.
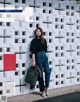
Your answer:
<point x="41" y="52"/>
<point x="41" y="55"/>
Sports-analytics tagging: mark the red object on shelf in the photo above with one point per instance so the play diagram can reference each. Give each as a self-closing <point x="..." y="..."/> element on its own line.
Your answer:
<point x="9" y="62"/>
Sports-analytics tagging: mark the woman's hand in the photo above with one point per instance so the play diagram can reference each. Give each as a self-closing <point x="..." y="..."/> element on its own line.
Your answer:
<point x="33" y="63"/>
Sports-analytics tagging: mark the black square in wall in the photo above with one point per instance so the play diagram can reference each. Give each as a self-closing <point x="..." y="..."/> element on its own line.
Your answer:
<point x="44" y="3"/>
<point x="0" y="92"/>
<point x="50" y="4"/>
<point x="0" y="57"/>
<point x="23" y="1"/>
<point x="16" y="65"/>
<point x="0" y="49"/>
<point x="0" y="83"/>
<point x="23" y="72"/>
<point x="16" y="40"/>
<point x="30" y="25"/>
<point x="8" y="23"/>
<point x="23" y="64"/>
<point x="23" y="33"/>
<point x="16" y="1"/>
<point x="0" y="23"/>
<point x="37" y="18"/>
<point x="16" y="73"/>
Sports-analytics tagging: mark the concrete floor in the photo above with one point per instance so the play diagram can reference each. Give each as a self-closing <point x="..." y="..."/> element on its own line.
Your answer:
<point x="37" y="95"/>
<point x="73" y="97"/>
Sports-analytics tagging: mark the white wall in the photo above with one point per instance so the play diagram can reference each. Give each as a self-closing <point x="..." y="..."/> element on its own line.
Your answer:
<point x="62" y="34"/>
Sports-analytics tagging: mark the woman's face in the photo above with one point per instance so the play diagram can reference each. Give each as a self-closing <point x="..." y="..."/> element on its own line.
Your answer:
<point x="38" y="32"/>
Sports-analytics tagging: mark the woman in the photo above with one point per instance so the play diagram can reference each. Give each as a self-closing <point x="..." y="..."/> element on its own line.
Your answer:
<point x="38" y="50"/>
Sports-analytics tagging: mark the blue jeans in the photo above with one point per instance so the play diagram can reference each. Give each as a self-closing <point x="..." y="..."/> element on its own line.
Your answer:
<point x="42" y="62"/>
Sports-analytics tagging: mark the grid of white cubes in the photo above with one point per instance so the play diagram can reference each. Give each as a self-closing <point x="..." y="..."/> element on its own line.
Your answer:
<point x="60" y="20"/>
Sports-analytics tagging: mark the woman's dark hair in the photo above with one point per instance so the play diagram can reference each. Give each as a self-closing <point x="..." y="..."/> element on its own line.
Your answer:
<point x="41" y="37"/>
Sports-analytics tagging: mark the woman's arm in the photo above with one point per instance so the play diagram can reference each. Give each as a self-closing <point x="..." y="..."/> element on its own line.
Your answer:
<point x="33" y="60"/>
<point x="33" y="51"/>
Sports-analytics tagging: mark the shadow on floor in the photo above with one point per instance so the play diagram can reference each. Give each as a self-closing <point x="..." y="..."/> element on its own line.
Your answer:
<point x="73" y="97"/>
<point x="36" y="93"/>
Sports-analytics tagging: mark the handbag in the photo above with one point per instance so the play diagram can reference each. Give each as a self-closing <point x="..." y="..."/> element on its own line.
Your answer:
<point x="32" y="75"/>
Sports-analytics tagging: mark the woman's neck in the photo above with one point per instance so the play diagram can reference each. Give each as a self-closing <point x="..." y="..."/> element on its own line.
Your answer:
<point x="38" y="37"/>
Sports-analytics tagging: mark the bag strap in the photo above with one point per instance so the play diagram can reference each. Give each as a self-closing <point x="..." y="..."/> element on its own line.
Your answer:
<point x="39" y="70"/>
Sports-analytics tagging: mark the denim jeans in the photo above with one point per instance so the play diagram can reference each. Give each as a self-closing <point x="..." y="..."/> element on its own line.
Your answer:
<point x="42" y="62"/>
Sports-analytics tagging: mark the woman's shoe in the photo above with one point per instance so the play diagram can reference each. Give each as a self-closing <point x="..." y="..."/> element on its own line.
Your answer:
<point x="43" y="94"/>
<point x="47" y="93"/>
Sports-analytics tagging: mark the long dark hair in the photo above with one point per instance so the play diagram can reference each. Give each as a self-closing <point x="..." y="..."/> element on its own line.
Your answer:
<point x="42" y="35"/>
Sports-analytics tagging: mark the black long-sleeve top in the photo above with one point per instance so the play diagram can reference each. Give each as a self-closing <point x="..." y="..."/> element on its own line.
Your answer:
<point x="37" y="46"/>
